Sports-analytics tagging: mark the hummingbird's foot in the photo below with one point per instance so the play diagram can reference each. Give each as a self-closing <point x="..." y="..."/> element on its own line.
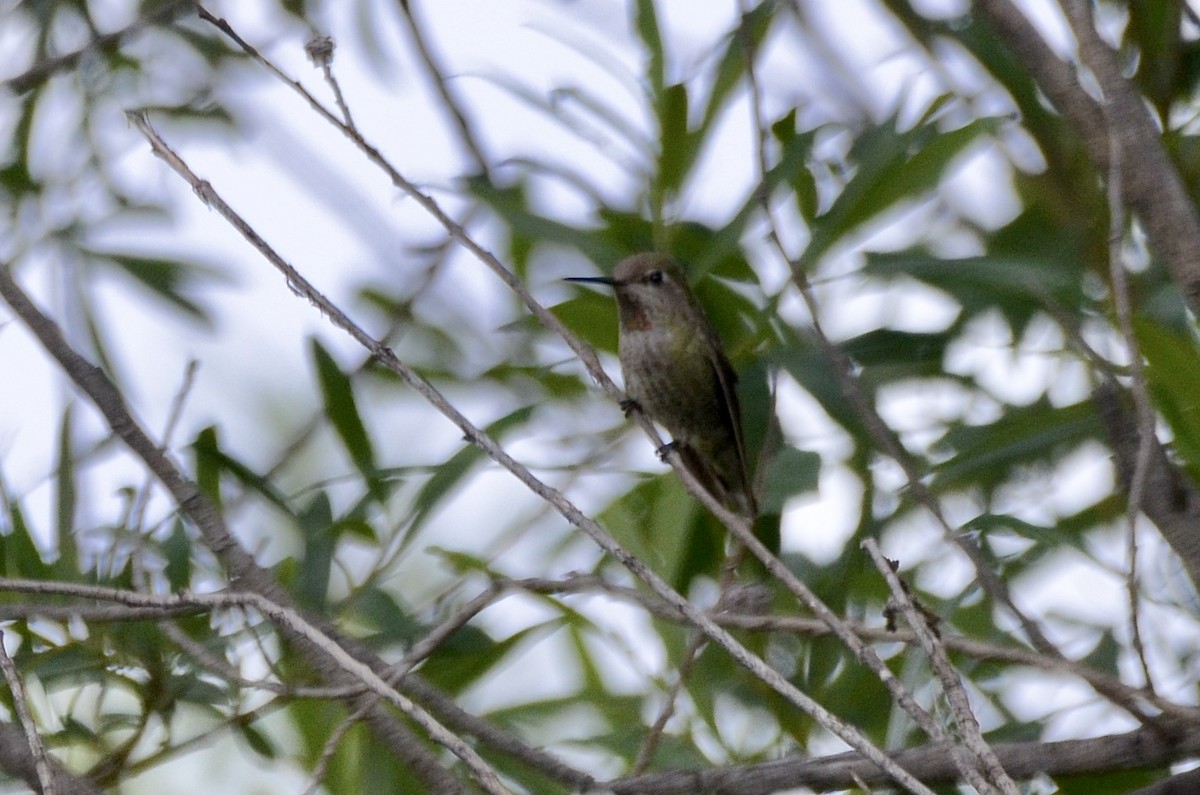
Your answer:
<point x="629" y="405"/>
<point x="665" y="449"/>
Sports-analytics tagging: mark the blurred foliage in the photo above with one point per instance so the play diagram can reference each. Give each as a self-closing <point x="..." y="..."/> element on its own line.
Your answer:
<point x="960" y="300"/>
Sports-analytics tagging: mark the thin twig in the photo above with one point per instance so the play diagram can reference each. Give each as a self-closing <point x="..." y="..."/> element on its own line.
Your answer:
<point x="41" y="762"/>
<point x="448" y="100"/>
<point x="142" y="500"/>
<point x="1079" y="16"/>
<point x="320" y="51"/>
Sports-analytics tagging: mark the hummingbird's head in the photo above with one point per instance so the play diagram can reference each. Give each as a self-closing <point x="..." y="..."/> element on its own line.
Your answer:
<point x="651" y="290"/>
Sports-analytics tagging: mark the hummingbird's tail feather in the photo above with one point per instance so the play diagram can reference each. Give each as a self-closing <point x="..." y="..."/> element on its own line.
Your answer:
<point x="733" y="495"/>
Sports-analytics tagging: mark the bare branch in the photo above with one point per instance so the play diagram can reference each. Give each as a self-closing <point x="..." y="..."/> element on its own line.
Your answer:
<point x="1143" y="749"/>
<point x="41" y="762"/>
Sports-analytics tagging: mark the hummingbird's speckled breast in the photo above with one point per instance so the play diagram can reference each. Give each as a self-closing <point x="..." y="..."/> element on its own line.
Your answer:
<point x="669" y="372"/>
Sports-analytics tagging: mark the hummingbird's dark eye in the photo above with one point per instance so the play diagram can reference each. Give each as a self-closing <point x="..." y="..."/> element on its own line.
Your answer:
<point x="654" y="277"/>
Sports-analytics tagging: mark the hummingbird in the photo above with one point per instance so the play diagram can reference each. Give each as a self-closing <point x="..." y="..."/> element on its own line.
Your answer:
<point x="677" y="373"/>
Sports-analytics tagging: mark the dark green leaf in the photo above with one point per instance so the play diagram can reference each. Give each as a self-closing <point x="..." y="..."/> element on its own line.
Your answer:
<point x="986" y="455"/>
<point x="646" y="22"/>
<point x="677" y="149"/>
<point x="259" y="742"/>
<point x="342" y="411"/>
<point x="211" y="461"/>
<point x="65" y="483"/>
<point x="1173" y="370"/>
<point x="450" y="474"/>
<point x="312" y="582"/>
<point x="177" y="549"/>
<point x="791" y="472"/>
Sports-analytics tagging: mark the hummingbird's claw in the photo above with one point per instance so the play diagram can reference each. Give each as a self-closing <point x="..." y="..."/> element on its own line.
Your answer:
<point x="665" y="449"/>
<point x="629" y="405"/>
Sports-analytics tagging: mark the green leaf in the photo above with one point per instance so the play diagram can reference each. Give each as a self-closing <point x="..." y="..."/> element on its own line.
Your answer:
<point x="888" y="355"/>
<point x="19" y="556"/>
<point x="169" y="279"/>
<point x="1015" y="282"/>
<point x="513" y="208"/>
<point x="591" y="316"/>
<point x="386" y="617"/>
<point x="451" y="473"/>
<point x="646" y="22"/>
<point x="1173" y="372"/>
<point x="750" y="33"/>
<point x="211" y="461"/>
<point x="312" y="582"/>
<point x="453" y="667"/>
<point x="661" y="524"/>
<point x="342" y="411"/>
<point x="177" y="549"/>
<point x="986" y="455"/>
<point x="790" y="472"/>
<point x="66" y="492"/>
<point x="891" y="166"/>
<point x="677" y="149"/>
<point x="259" y="742"/>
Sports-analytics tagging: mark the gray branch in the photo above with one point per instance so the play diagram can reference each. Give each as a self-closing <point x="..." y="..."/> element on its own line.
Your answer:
<point x="1143" y="749"/>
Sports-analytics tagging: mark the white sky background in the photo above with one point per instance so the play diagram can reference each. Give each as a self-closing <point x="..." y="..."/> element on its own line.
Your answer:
<point x="341" y="224"/>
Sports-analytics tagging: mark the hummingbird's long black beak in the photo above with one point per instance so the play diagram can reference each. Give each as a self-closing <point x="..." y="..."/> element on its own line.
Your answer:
<point x="592" y="279"/>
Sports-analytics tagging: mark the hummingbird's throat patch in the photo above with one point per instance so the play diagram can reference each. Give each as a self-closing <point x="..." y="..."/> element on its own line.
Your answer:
<point x="638" y="320"/>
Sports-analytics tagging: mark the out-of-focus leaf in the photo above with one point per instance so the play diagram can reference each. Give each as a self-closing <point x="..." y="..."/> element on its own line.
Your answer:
<point x="791" y="169"/>
<point x="1173" y="370"/>
<point x="177" y="549"/>
<point x="455" y="667"/>
<point x="790" y="472"/>
<point x="891" y="166"/>
<point x="986" y="455"/>
<point x="1018" y="286"/>
<point x="1156" y="29"/>
<point x="513" y="208"/>
<point x="592" y="317"/>
<point x="19" y="557"/>
<point x="450" y="474"/>
<point x="312" y="581"/>
<point x="342" y="410"/>
<point x="211" y="461"/>
<point x="66" y="493"/>
<point x="646" y="23"/>
<point x="388" y="620"/>
<point x="749" y="34"/>
<point x="677" y="149"/>
<point x="169" y="279"/>
<point x="660" y="523"/>
<point x="1109" y="783"/>
<point x="259" y="742"/>
<point x="890" y="355"/>
<point x="709" y="251"/>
